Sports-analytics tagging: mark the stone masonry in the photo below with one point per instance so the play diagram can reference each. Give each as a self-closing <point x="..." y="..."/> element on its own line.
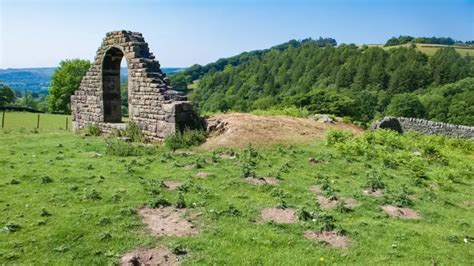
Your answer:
<point x="153" y="105"/>
<point x="425" y="126"/>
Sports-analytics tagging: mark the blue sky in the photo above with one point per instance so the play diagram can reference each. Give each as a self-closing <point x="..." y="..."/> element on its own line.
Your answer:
<point x="36" y="33"/>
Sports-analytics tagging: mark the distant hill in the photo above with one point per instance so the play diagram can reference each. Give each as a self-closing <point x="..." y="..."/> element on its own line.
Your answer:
<point x="430" y="49"/>
<point x="357" y="82"/>
<point x="38" y="79"/>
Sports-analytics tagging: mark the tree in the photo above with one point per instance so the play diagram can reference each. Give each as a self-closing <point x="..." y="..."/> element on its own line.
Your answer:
<point x="65" y="80"/>
<point x="6" y="95"/>
<point x="448" y="66"/>
<point x="406" y="105"/>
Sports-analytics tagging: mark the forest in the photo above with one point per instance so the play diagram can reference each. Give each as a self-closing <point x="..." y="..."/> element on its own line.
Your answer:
<point x="357" y="82"/>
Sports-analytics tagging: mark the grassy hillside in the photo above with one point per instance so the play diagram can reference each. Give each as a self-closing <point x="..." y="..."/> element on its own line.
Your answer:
<point x="68" y="199"/>
<point x="430" y="49"/>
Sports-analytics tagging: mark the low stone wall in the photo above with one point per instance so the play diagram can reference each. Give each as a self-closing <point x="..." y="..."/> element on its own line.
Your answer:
<point x="426" y="127"/>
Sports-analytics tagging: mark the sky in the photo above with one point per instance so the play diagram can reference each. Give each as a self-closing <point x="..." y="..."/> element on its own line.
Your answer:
<point x="41" y="33"/>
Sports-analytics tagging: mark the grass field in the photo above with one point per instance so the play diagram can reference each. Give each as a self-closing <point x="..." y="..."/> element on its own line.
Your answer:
<point x="430" y="49"/>
<point x="65" y="200"/>
<point x="28" y="121"/>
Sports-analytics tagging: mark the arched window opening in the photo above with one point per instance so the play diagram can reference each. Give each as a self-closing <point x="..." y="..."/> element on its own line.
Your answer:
<point x="111" y="85"/>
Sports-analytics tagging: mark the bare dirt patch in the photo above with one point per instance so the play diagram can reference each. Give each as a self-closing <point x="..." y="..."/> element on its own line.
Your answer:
<point x="260" y="181"/>
<point x="327" y="203"/>
<point x="374" y="193"/>
<point x="331" y="238"/>
<point x="404" y="213"/>
<point x="167" y="221"/>
<point x="155" y="256"/>
<point x="203" y="174"/>
<point x="278" y="215"/>
<point x="238" y="130"/>
<point x="314" y="161"/>
<point x="315" y="189"/>
<point x="171" y="185"/>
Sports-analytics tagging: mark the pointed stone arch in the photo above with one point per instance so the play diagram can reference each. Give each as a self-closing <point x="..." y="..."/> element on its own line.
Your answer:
<point x="153" y="105"/>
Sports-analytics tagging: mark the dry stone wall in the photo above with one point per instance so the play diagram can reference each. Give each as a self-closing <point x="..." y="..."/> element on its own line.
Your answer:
<point x="153" y="105"/>
<point x="425" y="126"/>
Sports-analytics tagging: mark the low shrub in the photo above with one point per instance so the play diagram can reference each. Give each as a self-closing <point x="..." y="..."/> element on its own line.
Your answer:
<point x="92" y="130"/>
<point x="337" y="136"/>
<point x="185" y="139"/>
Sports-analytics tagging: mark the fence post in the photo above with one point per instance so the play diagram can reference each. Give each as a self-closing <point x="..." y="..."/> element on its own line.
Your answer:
<point x="3" y="119"/>
<point x="67" y="122"/>
<point x="38" y="122"/>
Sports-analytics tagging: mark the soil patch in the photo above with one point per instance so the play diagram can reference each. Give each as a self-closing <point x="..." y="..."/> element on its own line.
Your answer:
<point x="374" y="193"/>
<point x="260" y="181"/>
<point x="327" y="203"/>
<point x="203" y="174"/>
<point x="315" y="189"/>
<point x="277" y="215"/>
<point x="238" y="130"/>
<point x="314" y="161"/>
<point x="171" y="185"/>
<point x="329" y="237"/>
<point x="167" y="221"/>
<point x="404" y="213"/>
<point x="156" y="256"/>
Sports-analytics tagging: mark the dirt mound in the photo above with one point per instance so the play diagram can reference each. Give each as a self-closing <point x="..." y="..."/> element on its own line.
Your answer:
<point x="239" y="129"/>
<point x="156" y="256"/>
<point x="375" y="193"/>
<point x="167" y="221"/>
<point x="278" y="215"/>
<point x="171" y="185"/>
<point x="203" y="174"/>
<point x="327" y="203"/>
<point x="260" y="181"/>
<point x="404" y="213"/>
<point x="329" y="237"/>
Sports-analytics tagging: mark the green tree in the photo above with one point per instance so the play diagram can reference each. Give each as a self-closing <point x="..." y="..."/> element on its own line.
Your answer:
<point x="406" y="105"/>
<point x="65" y="80"/>
<point x="6" y="95"/>
<point x="448" y="66"/>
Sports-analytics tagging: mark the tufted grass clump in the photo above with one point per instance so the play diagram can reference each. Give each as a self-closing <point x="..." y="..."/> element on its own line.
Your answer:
<point x="187" y="138"/>
<point x="92" y="130"/>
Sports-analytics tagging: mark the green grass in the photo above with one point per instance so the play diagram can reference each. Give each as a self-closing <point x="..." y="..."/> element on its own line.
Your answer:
<point x="25" y="120"/>
<point x="430" y="49"/>
<point x="92" y="195"/>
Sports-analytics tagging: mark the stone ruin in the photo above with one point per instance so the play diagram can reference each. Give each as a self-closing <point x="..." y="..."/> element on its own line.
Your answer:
<point x="404" y="124"/>
<point x="153" y="105"/>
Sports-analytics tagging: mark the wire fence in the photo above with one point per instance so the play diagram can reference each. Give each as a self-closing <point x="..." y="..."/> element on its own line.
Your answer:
<point x="12" y="120"/>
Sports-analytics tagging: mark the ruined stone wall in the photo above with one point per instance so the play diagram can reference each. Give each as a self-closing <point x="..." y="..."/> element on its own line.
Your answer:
<point x="153" y="105"/>
<point x="427" y="127"/>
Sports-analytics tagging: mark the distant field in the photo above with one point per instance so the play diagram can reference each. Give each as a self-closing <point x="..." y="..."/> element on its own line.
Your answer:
<point x="48" y="122"/>
<point x="430" y="49"/>
<point x="17" y="120"/>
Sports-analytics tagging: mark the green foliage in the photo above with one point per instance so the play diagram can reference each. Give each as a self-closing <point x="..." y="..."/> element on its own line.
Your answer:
<point x="334" y="136"/>
<point x="357" y="82"/>
<point x="92" y="130"/>
<point x="248" y="160"/>
<point x="288" y="111"/>
<point x="65" y="80"/>
<point x="452" y="103"/>
<point x="123" y="148"/>
<point x="6" y="95"/>
<point x="448" y="66"/>
<point x="185" y="139"/>
<point x="406" y="105"/>
<point x="180" y="203"/>
<point x="90" y="228"/>
<point x="133" y="132"/>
